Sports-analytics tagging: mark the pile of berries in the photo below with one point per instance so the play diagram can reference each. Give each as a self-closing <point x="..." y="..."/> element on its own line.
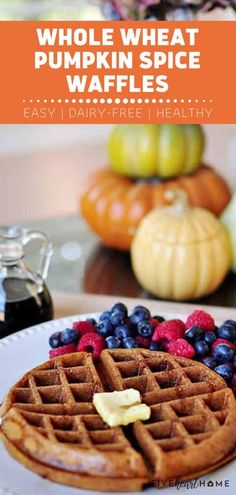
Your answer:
<point x="198" y="338"/>
<point x="113" y="330"/>
<point x="214" y="346"/>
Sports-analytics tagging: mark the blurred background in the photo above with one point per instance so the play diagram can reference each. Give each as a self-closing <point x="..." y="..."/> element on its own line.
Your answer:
<point x="43" y="173"/>
<point x="43" y="168"/>
<point x="100" y="9"/>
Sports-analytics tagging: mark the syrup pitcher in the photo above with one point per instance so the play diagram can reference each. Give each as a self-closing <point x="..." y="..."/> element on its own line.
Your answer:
<point x="24" y="296"/>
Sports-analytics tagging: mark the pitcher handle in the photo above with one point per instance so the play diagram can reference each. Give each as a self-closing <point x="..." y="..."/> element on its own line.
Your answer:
<point x="45" y="252"/>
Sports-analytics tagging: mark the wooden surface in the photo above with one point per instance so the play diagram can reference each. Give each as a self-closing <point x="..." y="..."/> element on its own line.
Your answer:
<point x="67" y="304"/>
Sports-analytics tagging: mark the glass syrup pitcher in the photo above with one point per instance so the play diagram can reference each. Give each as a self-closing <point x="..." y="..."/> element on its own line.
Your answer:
<point x="24" y="296"/>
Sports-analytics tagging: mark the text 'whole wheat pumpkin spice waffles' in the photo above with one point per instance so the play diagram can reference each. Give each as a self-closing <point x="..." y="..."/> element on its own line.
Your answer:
<point x="50" y="424"/>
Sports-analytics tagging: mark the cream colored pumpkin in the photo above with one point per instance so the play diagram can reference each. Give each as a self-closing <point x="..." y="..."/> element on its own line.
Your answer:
<point x="180" y="252"/>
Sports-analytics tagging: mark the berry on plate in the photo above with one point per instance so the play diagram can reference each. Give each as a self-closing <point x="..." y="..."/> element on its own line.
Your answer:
<point x="154" y="346"/>
<point x="123" y="331"/>
<point x="145" y="328"/>
<point x="55" y="340"/>
<point x="143" y="341"/>
<point x="60" y="351"/>
<point x="117" y="318"/>
<point x="223" y="353"/>
<point x="159" y="318"/>
<point x="225" y="371"/>
<point x="139" y="313"/>
<point x="193" y="333"/>
<point x="227" y="331"/>
<point x="91" y="321"/>
<point x="129" y="343"/>
<point x="209" y="337"/>
<point x="169" y="330"/>
<point x="83" y="327"/>
<point x="112" y="342"/>
<point x="106" y="315"/>
<point x="120" y="308"/>
<point x="69" y="336"/>
<point x="181" y="348"/>
<point x="104" y="328"/>
<point x="222" y="341"/>
<point x="154" y="322"/>
<point x="92" y="342"/>
<point x="201" y="348"/>
<point x="209" y="361"/>
<point x="201" y="319"/>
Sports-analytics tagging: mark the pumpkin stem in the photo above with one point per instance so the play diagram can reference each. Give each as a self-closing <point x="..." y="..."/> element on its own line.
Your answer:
<point x="177" y="199"/>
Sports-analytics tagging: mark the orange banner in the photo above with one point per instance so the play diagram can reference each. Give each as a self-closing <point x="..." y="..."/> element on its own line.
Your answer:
<point x="106" y="72"/>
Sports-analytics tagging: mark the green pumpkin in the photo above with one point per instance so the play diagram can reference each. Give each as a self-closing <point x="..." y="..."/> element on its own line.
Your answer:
<point x="147" y="150"/>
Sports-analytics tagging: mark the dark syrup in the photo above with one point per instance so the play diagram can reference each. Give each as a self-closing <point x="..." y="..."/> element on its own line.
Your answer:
<point x="23" y="304"/>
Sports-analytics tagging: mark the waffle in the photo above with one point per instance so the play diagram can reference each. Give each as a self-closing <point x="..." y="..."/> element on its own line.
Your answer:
<point x="51" y="426"/>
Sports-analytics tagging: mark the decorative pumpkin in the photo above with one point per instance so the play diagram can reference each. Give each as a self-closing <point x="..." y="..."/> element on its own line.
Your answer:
<point x="228" y="220"/>
<point x="180" y="252"/>
<point x="163" y="150"/>
<point x="113" y="206"/>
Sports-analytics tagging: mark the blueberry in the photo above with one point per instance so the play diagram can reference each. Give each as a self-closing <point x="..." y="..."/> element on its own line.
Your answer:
<point x="209" y="337"/>
<point x="193" y="333"/>
<point x="201" y="348"/>
<point x="105" y="328"/>
<point x="209" y="361"/>
<point x="69" y="336"/>
<point x="158" y="318"/>
<point x="139" y="313"/>
<point x="230" y="322"/>
<point x="138" y="307"/>
<point x="106" y="315"/>
<point x="227" y="331"/>
<point x="154" y="346"/>
<point x="234" y="362"/>
<point x="129" y="343"/>
<point x="117" y="318"/>
<point x="55" y="340"/>
<point x="123" y="331"/>
<point x="145" y="329"/>
<point x="112" y="342"/>
<point x="120" y="308"/>
<point x="92" y="321"/>
<point x="225" y="371"/>
<point x="223" y="353"/>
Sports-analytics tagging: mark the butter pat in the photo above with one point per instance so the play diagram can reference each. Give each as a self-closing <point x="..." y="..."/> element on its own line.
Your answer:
<point x="121" y="408"/>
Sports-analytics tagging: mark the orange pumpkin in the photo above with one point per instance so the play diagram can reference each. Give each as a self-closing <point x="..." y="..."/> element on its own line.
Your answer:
<point x="113" y="205"/>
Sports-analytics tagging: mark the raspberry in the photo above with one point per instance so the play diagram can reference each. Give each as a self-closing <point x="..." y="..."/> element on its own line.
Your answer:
<point x="65" y="349"/>
<point x="83" y="327"/>
<point x="201" y="319"/>
<point x="222" y="341"/>
<point x="92" y="342"/>
<point x="181" y="348"/>
<point x="169" y="330"/>
<point x="154" y="322"/>
<point x="142" y="341"/>
<point x="165" y="344"/>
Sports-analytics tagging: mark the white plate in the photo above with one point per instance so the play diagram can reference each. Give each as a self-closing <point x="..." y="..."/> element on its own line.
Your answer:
<point x="24" y="350"/>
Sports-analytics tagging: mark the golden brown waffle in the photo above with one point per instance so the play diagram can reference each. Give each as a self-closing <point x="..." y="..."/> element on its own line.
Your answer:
<point x="51" y="426"/>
